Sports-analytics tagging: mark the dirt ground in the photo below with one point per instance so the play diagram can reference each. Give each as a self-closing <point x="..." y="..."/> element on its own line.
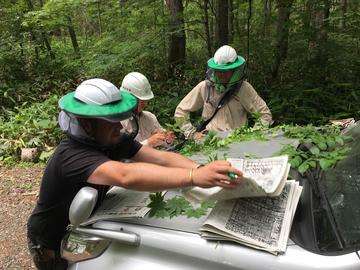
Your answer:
<point x="19" y="188"/>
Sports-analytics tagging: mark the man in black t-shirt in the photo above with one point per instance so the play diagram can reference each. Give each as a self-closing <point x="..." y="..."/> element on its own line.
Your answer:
<point x="91" y="156"/>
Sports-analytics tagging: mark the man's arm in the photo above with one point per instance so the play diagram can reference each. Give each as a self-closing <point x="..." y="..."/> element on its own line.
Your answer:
<point x="163" y="158"/>
<point x="166" y="171"/>
<point x="252" y="102"/>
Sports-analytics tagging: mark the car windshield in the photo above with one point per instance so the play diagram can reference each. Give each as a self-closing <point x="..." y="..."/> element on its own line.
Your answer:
<point x="341" y="187"/>
<point x="327" y="220"/>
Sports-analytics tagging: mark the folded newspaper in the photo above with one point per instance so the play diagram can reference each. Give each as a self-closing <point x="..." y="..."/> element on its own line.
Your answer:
<point x="261" y="177"/>
<point x="121" y="203"/>
<point x="261" y="223"/>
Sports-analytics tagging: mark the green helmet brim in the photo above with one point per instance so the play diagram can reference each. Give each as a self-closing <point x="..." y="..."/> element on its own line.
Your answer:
<point x="113" y="112"/>
<point x="237" y="63"/>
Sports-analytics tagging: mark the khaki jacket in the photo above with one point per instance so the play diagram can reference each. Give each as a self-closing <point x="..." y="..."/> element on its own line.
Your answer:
<point x="231" y="115"/>
<point x="148" y="125"/>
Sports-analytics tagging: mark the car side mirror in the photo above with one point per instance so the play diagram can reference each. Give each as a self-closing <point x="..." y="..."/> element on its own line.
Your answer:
<point x="82" y="205"/>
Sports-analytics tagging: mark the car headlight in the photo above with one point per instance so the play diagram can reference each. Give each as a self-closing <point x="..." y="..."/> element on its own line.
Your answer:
<point x="77" y="247"/>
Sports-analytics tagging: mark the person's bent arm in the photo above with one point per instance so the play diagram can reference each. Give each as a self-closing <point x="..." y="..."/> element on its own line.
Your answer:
<point x="254" y="103"/>
<point x="163" y="158"/>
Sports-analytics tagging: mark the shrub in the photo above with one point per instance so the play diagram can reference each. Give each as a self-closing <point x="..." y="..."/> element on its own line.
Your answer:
<point x="29" y="126"/>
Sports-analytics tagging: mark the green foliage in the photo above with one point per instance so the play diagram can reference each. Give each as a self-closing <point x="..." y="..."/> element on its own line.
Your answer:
<point x="176" y="127"/>
<point x="325" y="147"/>
<point x="157" y="204"/>
<point x="175" y="206"/>
<point x="116" y="37"/>
<point x="326" y="144"/>
<point x="45" y="155"/>
<point x="212" y="142"/>
<point x="29" y="126"/>
<point x="299" y="104"/>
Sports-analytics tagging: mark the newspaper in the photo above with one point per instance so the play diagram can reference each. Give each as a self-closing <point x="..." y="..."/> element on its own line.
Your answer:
<point x="261" y="177"/>
<point x="261" y="223"/>
<point x="121" y="203"/>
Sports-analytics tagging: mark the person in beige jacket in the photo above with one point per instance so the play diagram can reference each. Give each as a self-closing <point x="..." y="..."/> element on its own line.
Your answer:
<point x="225" y="78"/>
<point x="150" y="132"/>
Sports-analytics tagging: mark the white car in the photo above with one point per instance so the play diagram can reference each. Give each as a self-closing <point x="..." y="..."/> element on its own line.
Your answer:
<point x="325" y="232"/>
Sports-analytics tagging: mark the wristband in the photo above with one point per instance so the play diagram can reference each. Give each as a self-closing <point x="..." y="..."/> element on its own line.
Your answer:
<point x="191" y="177"/>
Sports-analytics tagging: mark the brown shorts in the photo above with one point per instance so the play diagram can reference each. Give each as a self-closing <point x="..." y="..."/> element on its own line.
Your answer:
<point x="46" y="259"/>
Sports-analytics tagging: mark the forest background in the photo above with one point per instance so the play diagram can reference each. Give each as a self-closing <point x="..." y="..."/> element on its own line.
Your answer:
<point x="302" y="56"/>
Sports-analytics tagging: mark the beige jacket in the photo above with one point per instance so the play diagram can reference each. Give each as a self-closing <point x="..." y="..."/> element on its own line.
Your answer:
<point x="231" y="115"/>
<point x="148" y="125"/>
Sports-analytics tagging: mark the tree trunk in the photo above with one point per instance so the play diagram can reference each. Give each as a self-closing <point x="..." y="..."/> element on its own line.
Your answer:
<point x="212" y="21"/>
<point x="45" y="38"/>
<point x="177" y="39"/>
<point x="342" y="10"/>
<point x="30" y="5"/>
<point x="231" y="21"/>
<point x="282" y="34"/>
<point x="267" y="17"/>
<point x="317" y="40"/>
<point x="73" y="38"/>
<point x="99" y="16"/>
<point x="353" y="5"/>
<point x="32" y="34"/>
<point x="206" y="27"/>
<point x="222" y="23"/>
<point x="47" y="45"/>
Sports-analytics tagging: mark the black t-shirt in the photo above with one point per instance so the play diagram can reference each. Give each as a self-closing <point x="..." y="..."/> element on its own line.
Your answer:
<point x="65" y="174"/>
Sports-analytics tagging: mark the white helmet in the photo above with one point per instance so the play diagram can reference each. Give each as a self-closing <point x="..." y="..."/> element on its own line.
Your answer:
<point x="225" y="55"/>
<point x="96" y="99"/>
<point x="97" y="92"/>
<point x="138" y="85"/>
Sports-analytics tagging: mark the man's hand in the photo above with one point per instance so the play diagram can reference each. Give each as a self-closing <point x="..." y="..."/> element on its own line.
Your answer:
<point x="169" y="137"/>
<point x="156" y="139"/>
<point x="161" y="138"/>
<point x="201" y="134"/>
<point x="216" y="173"/>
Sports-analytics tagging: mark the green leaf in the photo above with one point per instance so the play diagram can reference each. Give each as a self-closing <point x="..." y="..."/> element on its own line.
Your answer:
<point x="295" y="162"/>
<point x="196" y="213"/>
<point x="326" y="164"/>
<point x="322" y="145"/>
<point x="45" y="155"/>
<point x="208" y="204"/>
<point x="159" y="213"/>
<point x="176" y="206"/>
<point x="303" y="167"/>
<point x="339" y="140"/>
<point x="331" y="142"/>
<point x="43" y="124"/>
<point x="314" y="150"/>
<point x="157" y="204"/>
<point x="312" y="163"/>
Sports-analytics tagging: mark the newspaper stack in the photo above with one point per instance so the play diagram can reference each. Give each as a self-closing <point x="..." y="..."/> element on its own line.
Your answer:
<point x="261" y="223"/>
<point x="261" y="177"/>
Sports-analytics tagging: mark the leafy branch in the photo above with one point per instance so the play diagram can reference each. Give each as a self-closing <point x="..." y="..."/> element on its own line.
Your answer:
<point x="213" y="142"/>
<point x="324" y="147"/>
<point x="161" y="208"/>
